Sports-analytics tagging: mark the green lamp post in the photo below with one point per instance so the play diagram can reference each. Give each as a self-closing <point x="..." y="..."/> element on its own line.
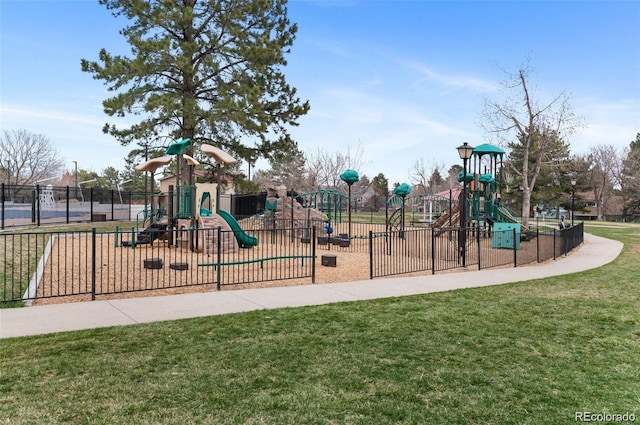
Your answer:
<point x="349" y="177"/>
<point x="402" y="190"/>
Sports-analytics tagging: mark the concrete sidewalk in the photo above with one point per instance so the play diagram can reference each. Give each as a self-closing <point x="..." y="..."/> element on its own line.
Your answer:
<point x="595" y="252"/>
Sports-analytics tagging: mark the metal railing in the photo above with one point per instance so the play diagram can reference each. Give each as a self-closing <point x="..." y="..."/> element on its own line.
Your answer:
<point x="418" y="250"/>
<point x="86" y="265"/>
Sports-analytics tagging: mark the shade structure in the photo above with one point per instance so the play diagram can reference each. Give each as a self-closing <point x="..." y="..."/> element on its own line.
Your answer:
<point x="153" y="164"/>
<point x="218" y="154"/>
<point x="190" y="160"/>
<point x="178" y="148"/>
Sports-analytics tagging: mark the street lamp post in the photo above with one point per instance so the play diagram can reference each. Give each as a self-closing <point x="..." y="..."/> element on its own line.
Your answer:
<point x="465" y="151"/>
<point x="75" y="176"/>
<point x="573" y="198"/>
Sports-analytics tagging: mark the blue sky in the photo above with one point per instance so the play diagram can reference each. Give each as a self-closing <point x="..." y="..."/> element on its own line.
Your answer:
<point x="399" y="80"/>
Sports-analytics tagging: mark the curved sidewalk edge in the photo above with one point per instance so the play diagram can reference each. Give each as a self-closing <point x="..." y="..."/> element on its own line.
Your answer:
<point x="35" y="320"/>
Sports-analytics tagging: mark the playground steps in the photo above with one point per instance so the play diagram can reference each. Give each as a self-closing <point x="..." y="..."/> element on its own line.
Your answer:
<point x="149" y="234"/>
<point x="210" y="243"/>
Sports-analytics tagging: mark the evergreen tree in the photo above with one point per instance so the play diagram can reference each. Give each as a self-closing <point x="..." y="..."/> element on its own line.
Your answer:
<point x="208" y="70"/>
<point x="547" y="172"/>
<point x="631" y="179"/>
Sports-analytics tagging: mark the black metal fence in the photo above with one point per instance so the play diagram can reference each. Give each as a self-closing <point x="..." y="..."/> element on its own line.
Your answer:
<point x="555" y="243"/>
<point x="424" y="249"/>
<point x="29" y="205"/>
<point x="89" y="264"/>
<point x="84" y="265"/>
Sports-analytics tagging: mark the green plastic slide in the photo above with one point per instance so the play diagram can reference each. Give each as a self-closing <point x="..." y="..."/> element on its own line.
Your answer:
<point x="244" y="240"/>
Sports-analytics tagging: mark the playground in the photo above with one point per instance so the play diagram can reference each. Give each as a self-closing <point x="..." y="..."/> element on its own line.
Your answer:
<point x="186" y="242"/>
<point x="276" y="260"/>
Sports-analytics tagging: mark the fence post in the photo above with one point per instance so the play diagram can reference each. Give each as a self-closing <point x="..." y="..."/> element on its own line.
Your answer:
<point x="537" y="244"/>
<point x="38" y="205"/>
<point x="93" y="264"/>
<point x="91" y="202"/>
<point x="67" y="195"/>
<point x="313" y="254"/>
<point x="433" y="250"/>
<point x="515" y="251"/>
<point x="370" y="254"/>
<point x="2" y="208"/>
<point x="219" y="256"/>
<point x="478" y="241"/>
<point x="554" y="243"/>
<point x="171" y="222"/>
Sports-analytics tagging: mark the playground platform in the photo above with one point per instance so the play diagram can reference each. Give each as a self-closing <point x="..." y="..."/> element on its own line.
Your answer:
<point x="35" y="320"/>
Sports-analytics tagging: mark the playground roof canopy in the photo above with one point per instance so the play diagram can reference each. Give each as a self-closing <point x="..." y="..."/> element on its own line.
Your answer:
<point x="178" y="148"/>
<point x="153" y="164"/>
<point x="487" y="149"/>
<point x="218" y="154"/>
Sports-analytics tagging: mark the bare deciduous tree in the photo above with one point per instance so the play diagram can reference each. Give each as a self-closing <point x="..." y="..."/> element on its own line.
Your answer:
<point x="521" y="119"/>
<point x="325" y="168"/>
<point x="427" y="179"/>
<point x="27" y="158"/>
<point x="603" y="160"/>
<point x="419" y="176"/>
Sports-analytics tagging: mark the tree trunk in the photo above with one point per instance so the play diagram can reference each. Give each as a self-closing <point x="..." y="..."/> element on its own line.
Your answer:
<point x="526" y="206"/>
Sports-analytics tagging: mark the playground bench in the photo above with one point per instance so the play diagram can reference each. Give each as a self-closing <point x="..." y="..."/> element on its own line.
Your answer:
<point x="257" y="260"/>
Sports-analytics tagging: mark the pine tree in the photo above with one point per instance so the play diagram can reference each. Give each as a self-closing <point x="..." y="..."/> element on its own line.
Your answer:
<point x="208" y="70"/>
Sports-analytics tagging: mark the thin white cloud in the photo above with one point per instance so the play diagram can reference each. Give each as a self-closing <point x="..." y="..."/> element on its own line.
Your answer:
<point x="20" y="114"/>
<point x="610" y="122"/>
<point x="394" y="129"/>
<point x="456" y="81"/>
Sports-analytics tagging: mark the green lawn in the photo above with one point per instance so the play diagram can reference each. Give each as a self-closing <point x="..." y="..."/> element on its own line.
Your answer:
<point x="534" y="352"/>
